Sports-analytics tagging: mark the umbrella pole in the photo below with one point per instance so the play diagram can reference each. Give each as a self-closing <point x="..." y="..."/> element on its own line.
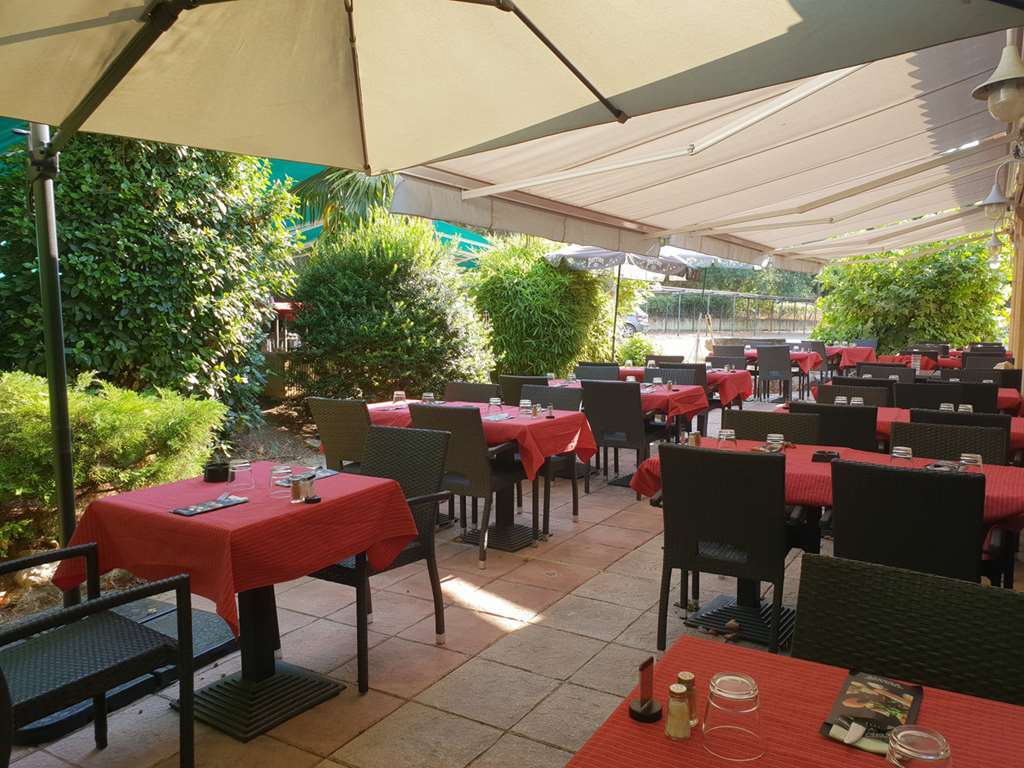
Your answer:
<point x="615" y="311"/>
<point x="42" y="171"/>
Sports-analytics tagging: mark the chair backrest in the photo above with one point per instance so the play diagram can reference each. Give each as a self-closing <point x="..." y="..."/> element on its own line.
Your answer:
<point x="6" y="721"/>
<point x="1001" y="377"/>
<point x="342" y="425"/>
<point x="660" y="360"/>
<point x="926" y="395"/>
<point x="511" y="386"/>
<point x="873" y="396"/>
<point x="983" y="397"/>
<point x="614" y="412"/>
<point x="815" y="346"/>
<point x="728" y="350"/>
<point x="683" y="373"/>
<point x="724" y="511"/>
<point x="932" y="352"/>
<point x="562" y="398"/>
<point x="885" y="370"/>
<point x="873" y="343"/>
<point x="948" y="441"/>
<point x="909" y="518"/>
<point x="941" y="346"/>
<point x="738" y="362"/>
<point x="982" y="359"/>
<point x="986" y="346"/>
<point x="413" y="457"/>
<point x="843" y="425"/>
<point x="896" y="622"/>
<point x="593" y="364"/>
<point x="469" y="392"/>
<point x="467" y="447"/>
<point x="597" y="372"/>
<point x="773" y="362"/>
<point x="991" y="420"/>
<point x="757" y="425"/>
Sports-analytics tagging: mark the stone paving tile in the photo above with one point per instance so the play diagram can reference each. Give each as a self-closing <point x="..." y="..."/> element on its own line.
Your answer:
<point x="466" y="631"/>
<point x="392" y="612"/>
<point x="218" y="750"/>
<point x="498" y="563"/>
<point x="416" y="736"/>
<point x="513" y="751"/>
<point x="514" y="601"/>
<point x="455" y="585"/>
<point x="561" y="577"/>
<point x="492" y="693"/>
<point x="38" y="759"/>
<point x="402" y="667"/>
<point x="329" y="726"/>
<point x="323" y="645"/>
<point x="621" y="589"/>
<point x="643" y="633"/>
<point x="647" y="518"/>
<point x="613" y="670"/>
<point x="583" y="616"/>
<point x="588" y="554"/>
<point x="611" y="536"/>
<point x="545" y="651"/>
<point x="316" y="598"/>
<point x="568" y="717"/>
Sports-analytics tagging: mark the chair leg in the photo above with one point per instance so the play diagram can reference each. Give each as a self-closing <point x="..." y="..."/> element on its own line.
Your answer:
<point x="684" y="604"/>
<point x="536" y="509"/>
<point x="99" y="723"/>
<point x="695" y="596"/>
<point x="435" y="587"/>
<point x="362" y="623"/>
<point x="549" y="474"/>
<point x="462" y="513"/>
<point x="666" y="583"/>
<point x="483" y="532"/>
<point x="369" y="598"/>
<point x="615" y="453"/>
<point x="586" y="479"/>
<point x="575" y="495"/>
<point x="773" y="638"/>
<point x="519" y="494"/>
<point x="606" y="461"/>
<point x="474" y="512"/>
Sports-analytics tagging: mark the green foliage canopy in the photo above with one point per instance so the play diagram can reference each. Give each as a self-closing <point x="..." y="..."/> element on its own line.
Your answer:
<point x="636" y="348"/>
<point x="170" y="256"/>
<point x="120" y="440"/>
<point x="953" y="295"/>
<point x="384" y="308"/>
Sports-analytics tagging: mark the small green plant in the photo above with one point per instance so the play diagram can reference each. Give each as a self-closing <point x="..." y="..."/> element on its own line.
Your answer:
<point x="635" y="348"/>
<point x="120" y="440"/>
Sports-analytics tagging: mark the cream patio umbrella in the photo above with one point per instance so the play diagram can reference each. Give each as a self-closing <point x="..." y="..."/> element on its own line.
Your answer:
<point x="380" y="85"/>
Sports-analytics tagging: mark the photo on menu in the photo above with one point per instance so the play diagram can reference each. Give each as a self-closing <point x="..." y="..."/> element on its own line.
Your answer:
<point x="868" y="707"/>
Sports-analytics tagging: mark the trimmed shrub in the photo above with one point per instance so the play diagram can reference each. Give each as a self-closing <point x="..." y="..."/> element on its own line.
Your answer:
<point x="384" y="308"/>
<point x="120" y="440"/>
<point x="635" y="348"/>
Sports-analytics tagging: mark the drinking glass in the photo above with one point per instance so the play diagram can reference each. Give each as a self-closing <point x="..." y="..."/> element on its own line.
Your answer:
<point x="549" y="376"/>
<point x="732" y="720"/>
<point x="524" y="407"/>
<point x="631" y="378"/>
<point x="983" y="381"/>
<point x="971" y="461"/>
<point x="398" y="396"/>
<point x="669" y="383"/>
<point x="428" y="397"/>
<point x="965" y="408"/>
<point x="900" y="454"/>
<point x="774" y="439"/>
<point x="657" y="380"/>
<point x="572" y="377"/>
<point x="957" y="381"/>
<point x="240" y="474"/>
<point x="278" y="473"/>
<point x="946" y="407"/>
<point x="893" y="377"/>
<point x="727" y="439"/>
<point x="840" y="400"/>
<point x="629" y="363"/>
<point x="911" y="746"/>
<point x="867" y="376"/>
<point x="492" y="403"/>
<point x="856" y="401"/>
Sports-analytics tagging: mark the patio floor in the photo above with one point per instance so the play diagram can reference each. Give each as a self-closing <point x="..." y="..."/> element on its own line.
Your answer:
<point x="540" y="648"/>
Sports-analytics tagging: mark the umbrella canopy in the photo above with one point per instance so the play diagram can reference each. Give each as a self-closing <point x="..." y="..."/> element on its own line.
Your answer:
<point x="669" y="261"/>
<point x="381" y="84"/>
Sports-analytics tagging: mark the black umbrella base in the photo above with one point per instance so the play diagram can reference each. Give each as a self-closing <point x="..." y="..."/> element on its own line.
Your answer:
<point x="754" y="623"/>
<point x="507" y="538"/>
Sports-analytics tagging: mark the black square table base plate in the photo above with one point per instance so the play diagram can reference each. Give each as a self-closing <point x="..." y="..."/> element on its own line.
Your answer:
<point x="244" y="710"/>
<point x="755" y="623"/>
<point x="508" y="539"/>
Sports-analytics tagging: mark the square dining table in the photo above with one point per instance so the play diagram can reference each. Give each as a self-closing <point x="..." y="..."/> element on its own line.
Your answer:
<point x="245" y="550"/>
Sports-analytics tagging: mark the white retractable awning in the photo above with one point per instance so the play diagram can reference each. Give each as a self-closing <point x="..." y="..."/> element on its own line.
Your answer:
<point x="886" y="155"/>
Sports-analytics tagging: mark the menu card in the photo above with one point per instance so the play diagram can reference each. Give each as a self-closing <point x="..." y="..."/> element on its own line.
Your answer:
<point x="868" y="707"/>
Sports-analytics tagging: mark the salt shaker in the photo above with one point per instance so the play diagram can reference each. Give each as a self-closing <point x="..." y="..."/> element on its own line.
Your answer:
<point x="677" y="724"/>
<point x="690" y="681"/>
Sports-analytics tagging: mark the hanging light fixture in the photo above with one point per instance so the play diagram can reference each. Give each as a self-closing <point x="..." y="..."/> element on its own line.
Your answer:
<point x="1004" y="89"/>
<point x="996" y="204"/>
<point x="995" y="250"/>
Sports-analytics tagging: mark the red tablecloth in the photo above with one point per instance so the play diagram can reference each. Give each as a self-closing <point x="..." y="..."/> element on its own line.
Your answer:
<point x="959" y="353"/>
<point x="538" y="438"/>
<point x="806" y="361"/>
<point x="950" y="362"/>
<point x="731" y="384"/>
<point x="886" y="417"/>
<point x="1009" y="400"/>
<point x="848" y="357"/>
<point x="631" y="370"/>
<point x="810" y="484"/>
<point x="795" y="697"/>
<point x="263" y="542"/>
<point x="927" y="364"/>
<point x="686" y="400"/>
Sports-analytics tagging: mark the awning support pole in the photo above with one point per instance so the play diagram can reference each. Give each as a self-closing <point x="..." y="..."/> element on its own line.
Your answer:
<point x="615" y="311"/>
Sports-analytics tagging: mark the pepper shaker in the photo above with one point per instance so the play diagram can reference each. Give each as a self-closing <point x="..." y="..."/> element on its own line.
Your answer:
<point x="677" y="724"/>
<point x="690" y="681"/>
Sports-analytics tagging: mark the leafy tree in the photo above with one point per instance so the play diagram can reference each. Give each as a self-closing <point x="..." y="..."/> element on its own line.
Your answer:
<point x="770" y="281"/>
<point x="953" y="294"/>
<point x="170" y="257"/>
<point x="342" y="198"/>
<point x="383" y="308"/>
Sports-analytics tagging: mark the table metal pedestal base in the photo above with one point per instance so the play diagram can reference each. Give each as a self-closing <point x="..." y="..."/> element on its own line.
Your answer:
<point x="244" y="709"/>
<point x="755" y="622"/>
<point x="509" y="538"/>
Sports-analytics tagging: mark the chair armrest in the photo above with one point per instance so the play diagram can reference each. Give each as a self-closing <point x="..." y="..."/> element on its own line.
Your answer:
<point x="496" y="450"/>
<point x="87" y="551"/>
<point x="33" y="626"/>
<point x="430" y="498"/>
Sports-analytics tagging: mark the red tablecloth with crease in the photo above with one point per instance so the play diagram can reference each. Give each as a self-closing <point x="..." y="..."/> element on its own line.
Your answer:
<point x="686" y="400"/>
<point x="806" y="361"/>
<point x="795" y="697"/>
<point x="731" y="385"/>
<point x="537" y="438"/>
<point x="927" y="364"/>
<point x="809" y="483"/>
<point x="263" y="542"/>
<point x="635" y="371"/>
<point x="848" y="357"/>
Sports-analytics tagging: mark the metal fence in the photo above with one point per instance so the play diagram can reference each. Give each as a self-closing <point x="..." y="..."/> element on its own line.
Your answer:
<point x="682" y="311"/>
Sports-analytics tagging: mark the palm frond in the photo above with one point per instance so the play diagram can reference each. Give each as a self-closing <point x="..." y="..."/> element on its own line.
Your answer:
<point x="340" y="197"/>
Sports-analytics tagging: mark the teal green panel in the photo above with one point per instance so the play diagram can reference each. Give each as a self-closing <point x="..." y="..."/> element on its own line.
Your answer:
<point x="7" y="137"/>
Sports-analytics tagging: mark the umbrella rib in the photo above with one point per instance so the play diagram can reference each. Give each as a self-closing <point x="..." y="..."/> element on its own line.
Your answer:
<point x="358" y="82"/>
<point x="510" y="6"/>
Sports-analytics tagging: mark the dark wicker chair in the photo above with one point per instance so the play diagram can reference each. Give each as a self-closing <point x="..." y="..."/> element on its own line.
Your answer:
<point x="1001" y="377"/>
<point x="843" y="425"/>
<point x="564" y="464"/>
<point x="472" y="469"/>
<point x="774" y="364"/>
<point x="926" y="395"/>
<point x="909" y="518"/>
<point x="941" y="346"/>
<point x="342" y="426"/>
<point x="983" y="346"/>
<point x="415" y="458"/>
<point x="912" y="626"/>
<point x="984" y="359"/>
<point x="597" y="372"/>
<point x="512" y="386"/>
<point x="469" y="392"/>
<point x="878" y="397"/>
<point x="923" y="350"/>
<point x="729" y="350"/>
<point x="599" y="364"/>
<point x="821" y="348"/>
<point x="739" y="362"/>
<point x="856" y="381"/>
<point x="948" y="441"/>
<point x="58" y="658"/>
<point x="757" y="425"/>
<point x="718" y="525"/>
<point x="873" y="343"/>
<point x="660" y="360"/>
<point x="885" y="371"/>
<point x="983" y="397"/>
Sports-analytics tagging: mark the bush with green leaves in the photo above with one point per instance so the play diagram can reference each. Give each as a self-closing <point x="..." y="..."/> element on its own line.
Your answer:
<point x="170" y="257"/>
<point x="635" y="348"/>
<point x="953" y="295"/>
<point x="383" y="308"/>
<point x="120" y="440"/>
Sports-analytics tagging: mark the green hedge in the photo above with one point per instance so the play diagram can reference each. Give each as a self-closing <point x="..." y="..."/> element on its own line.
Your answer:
<point x="384" y="308"/>
<point x="121" y="440"/>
